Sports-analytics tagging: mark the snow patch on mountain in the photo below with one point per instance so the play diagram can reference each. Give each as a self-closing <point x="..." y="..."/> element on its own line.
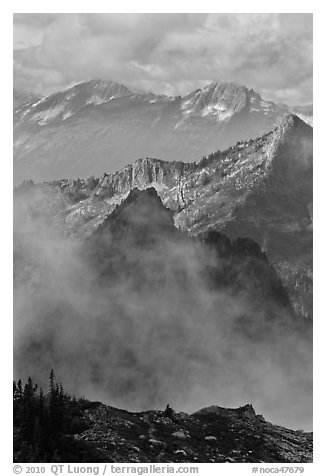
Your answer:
<point x="218" y="111"/>
<point x="45" y="116"/>
<point x="96" y="100"/>
<point x="67" y="115"/>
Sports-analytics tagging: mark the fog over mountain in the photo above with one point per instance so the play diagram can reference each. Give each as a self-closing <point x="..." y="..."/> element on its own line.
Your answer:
<point x="140" y="315"/>
<point x="245" y="191"/>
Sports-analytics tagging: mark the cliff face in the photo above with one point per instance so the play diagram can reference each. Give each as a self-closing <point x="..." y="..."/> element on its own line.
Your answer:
<point x="143" y="173"/>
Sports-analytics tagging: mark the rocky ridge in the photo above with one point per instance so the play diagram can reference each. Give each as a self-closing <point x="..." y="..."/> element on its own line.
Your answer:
<point x="210" y="435"/>
<point x="218" y="183"/>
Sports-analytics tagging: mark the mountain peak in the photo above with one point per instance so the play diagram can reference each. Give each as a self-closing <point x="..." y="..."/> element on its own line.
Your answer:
<point x="143" y="213"/>
<point x="218" y="100"/>
<point x="102" y="85"/>
<point x="67" y="103"/>
<point x="224" y="84"/>
<point x="291" y="122"/>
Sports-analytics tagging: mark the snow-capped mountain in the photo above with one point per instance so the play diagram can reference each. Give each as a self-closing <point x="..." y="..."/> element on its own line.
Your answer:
<point x="98" y="127"/>
<point x="217" y="101"/>
<point x="62" y="105"/>
<point x="221" y="101"/>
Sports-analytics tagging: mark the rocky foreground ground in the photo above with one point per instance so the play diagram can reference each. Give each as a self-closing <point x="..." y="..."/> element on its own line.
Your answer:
<point x="211" y="435"/>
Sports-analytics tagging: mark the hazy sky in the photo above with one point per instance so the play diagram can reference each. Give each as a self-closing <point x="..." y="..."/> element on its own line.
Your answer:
<point x="166" y="53"/>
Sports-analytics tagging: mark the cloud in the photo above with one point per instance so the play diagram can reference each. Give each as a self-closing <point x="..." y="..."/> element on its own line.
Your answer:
<point x="166" y="53"/>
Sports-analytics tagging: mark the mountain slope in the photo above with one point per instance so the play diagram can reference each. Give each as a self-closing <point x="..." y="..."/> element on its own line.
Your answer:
<point x="98" y="127"/>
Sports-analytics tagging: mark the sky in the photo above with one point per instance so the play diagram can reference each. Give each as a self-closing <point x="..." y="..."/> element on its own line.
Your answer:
<point x="166" y="53"/>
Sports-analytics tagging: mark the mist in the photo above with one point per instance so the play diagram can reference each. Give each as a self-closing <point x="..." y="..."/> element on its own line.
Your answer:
<point x="140" y="325"/>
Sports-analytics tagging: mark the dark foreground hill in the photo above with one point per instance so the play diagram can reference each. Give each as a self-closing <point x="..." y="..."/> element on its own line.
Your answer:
<point x="53" y="427"/>
<point x="211" y="435"/>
